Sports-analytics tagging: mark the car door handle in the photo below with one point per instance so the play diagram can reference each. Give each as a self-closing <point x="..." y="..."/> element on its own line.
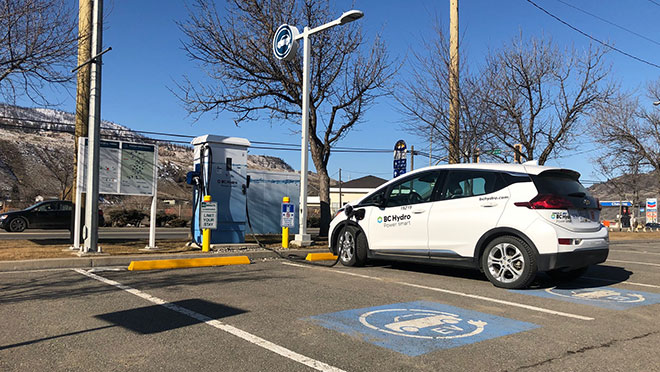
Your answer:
<point x="488" y="205"/>
<point x="419" y="212"/>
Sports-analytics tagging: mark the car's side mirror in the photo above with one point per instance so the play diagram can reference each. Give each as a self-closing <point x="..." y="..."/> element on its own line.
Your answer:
<point x="380" y="200"/>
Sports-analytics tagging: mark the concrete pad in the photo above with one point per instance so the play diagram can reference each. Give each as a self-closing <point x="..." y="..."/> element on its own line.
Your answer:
<point x="188" y="262"/>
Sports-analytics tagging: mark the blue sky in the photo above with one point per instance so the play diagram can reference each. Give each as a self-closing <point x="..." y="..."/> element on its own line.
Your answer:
<point x="147" y="60"/>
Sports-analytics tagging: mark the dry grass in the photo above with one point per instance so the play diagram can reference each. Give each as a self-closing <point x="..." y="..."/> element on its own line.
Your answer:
<point x="642" y="235"/>
<point x="12" y="250"/>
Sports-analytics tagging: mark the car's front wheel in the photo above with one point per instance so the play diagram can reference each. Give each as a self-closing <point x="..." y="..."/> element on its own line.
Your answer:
<point x="352" y="246"/>
<point x="18" y="224"/>
<point x="509" y="262"/>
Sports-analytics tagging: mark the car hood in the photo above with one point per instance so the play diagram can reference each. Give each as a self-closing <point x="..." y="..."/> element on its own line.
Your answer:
<point x="11" y="213"/>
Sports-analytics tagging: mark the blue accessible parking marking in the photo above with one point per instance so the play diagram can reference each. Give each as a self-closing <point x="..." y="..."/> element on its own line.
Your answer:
<point x="607" y="297"/>
<point x="416" y="328"/>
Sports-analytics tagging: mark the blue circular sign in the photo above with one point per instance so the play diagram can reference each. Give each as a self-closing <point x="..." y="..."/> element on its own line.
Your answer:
<point x="284" y="42"/>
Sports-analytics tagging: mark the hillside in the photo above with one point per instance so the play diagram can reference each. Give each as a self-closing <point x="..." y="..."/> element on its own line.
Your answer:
<point x="36" y="155"/>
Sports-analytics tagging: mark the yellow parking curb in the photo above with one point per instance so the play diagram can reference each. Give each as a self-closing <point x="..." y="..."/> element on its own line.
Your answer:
<point x="188" y="262"/>
<point x="320" y="257"/>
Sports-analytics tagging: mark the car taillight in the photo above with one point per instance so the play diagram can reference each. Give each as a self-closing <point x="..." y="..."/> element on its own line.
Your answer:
<point x="100" y="213"/>
<point x="546" y="201"/>
<point x="598" y="203"/>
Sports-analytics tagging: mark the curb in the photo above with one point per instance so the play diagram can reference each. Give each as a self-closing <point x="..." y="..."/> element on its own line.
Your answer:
<point x="188" y="262"/>
<point x="104" y="261"/>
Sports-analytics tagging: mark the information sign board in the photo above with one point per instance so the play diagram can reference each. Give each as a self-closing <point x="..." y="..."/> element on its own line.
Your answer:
<point x="209" y="213"/>
<point x="288" y="215"/>
<point x="124" y="168"/>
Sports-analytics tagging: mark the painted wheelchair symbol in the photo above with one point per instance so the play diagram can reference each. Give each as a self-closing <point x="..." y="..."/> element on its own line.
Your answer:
<point x="601" y="295"/>
<point x="419" y="323"/>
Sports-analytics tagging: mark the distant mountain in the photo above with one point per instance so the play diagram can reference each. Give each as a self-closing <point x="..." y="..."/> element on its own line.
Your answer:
<point x="36" y="155"/>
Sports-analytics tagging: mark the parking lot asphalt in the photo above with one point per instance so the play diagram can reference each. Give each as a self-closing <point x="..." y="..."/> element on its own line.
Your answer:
<point x="277" y="315"/>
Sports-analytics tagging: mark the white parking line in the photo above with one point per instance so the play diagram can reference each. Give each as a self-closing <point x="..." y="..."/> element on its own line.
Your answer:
<point x="636" y="263"/>
<point x="631" y="251"/>
<point x="483" y="298"/>
<point x="313" y="363"/>
<point x="620" y="282"/>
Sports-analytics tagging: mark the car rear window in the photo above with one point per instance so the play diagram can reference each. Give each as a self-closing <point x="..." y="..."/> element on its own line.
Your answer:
<point x="566" y="184"/>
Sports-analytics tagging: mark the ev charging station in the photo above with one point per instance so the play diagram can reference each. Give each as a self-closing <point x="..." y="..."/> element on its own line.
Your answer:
<point x="220" y="165"/>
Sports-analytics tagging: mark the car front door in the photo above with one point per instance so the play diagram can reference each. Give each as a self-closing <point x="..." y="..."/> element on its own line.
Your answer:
<point x="400" y="226"/>
<point x="469" y="204"/>
<point x="43" y="215"/>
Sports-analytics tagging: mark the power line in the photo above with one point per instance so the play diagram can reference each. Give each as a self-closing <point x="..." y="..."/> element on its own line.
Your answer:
<point x="593" y="38"/>
<point x="609" y="22"/>
<point x="654" y="2"/>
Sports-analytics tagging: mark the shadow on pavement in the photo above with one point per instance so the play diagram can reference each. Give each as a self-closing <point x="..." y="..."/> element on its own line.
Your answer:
<point x="69" y="284"/>
<point x="160" y="318"/>
<point x="25" y="343"/>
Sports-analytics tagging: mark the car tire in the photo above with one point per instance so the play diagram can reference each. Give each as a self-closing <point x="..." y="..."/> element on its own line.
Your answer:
<point x="352" y="246"/>
<point x="567" y="275"/>
<point x="509" y="262"/>
<point x="18" y="224"/>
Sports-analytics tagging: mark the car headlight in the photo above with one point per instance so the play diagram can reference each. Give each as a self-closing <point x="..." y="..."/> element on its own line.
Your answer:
<point x="2" y="217"/>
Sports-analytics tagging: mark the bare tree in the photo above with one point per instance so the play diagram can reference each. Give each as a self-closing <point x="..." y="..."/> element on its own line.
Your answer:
<point x="424" y="99"/>
<point x="59" y="165"/>
<point x="540" y="96"/>
<point x="235" y="51"/>
<point x="37" y="47"/>
<point x="630" y="134"/>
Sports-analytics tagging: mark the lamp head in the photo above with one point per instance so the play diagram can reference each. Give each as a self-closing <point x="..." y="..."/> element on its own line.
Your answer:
<point x="350" y="16"/>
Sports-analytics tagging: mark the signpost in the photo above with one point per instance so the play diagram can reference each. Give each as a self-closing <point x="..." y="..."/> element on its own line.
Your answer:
<point x="652" y="210"/>
<point x="209" y="214"/>
<point x="284" y="48"/>
<point x="124" y="168"/>
<point x="400" y="165"/>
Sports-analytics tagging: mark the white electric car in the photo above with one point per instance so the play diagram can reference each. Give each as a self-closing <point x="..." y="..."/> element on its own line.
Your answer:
<point x="508" y="220"/>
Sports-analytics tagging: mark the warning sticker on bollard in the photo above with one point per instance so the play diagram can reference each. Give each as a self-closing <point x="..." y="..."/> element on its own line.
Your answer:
<point x="416" y="328"/>
<point x="288" y="215"/>
<point x="209" y="215"/>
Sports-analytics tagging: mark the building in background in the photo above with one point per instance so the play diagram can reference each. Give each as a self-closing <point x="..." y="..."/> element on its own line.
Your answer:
<point x="353" y="190"/>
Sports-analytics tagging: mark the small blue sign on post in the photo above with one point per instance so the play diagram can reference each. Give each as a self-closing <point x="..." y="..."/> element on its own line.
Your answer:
<point x="400" y="163"/>
<point x="288" y="215"/>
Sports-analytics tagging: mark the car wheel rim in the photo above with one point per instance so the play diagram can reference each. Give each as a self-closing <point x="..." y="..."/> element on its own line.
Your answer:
<point x="17" y="224"/>
<point x="506" y="263"/>
<point x="346" y="247"/>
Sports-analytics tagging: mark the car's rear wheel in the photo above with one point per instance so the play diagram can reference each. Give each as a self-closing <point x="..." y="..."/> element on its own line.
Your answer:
<point x="352" y="246"/>
<point x="567" y="275"/>
<point x="509" y="262"/>
<point x="18" y="224"/>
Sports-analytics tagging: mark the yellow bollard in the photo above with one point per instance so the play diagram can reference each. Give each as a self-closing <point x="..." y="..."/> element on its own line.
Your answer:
<point x="285" y="230"/>
<point x="206" y="233"/>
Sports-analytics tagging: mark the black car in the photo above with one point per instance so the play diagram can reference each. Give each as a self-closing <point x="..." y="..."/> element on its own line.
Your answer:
<point x="51" y="214"/>
<point x="653" y="225"/>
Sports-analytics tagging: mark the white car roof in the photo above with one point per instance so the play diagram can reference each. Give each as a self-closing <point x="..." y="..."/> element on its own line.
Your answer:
<point x="527" y="168"/>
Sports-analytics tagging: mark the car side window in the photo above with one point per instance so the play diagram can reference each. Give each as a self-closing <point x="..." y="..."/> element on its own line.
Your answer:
<point x="415" y="190"/>
<point x="66" y="207"/>
<point x="47" y="207"/>
<point x="467" y="183"/>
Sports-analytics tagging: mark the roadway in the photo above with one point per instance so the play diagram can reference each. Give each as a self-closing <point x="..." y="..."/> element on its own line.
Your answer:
<point x="277" y="315"/>
<point x="104" y="233"/>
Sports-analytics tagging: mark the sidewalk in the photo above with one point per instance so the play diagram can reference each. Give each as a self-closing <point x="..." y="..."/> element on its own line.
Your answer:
<point x="124" y="260"/>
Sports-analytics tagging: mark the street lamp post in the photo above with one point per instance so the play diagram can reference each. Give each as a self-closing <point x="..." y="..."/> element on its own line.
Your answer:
<point x="284" y="48"/>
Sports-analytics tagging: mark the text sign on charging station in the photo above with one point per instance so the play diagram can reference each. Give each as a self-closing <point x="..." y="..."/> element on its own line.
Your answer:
<point x="209" y="213"/>
<point x="288" y="215"/>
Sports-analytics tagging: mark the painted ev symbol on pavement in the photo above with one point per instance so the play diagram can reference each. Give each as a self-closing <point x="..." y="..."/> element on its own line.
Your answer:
<point x="416" y="328"/>
<point x="421" y="323"/>
<point x="606" y="297"/>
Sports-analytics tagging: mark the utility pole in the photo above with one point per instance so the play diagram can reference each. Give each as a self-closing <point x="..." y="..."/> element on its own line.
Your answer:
<point x="82" y="91"/>
<point x="340" y="204"/>
<point x="92" y="196"/>
<point x="454" y="151"/>
<point x="412" y="158"/>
